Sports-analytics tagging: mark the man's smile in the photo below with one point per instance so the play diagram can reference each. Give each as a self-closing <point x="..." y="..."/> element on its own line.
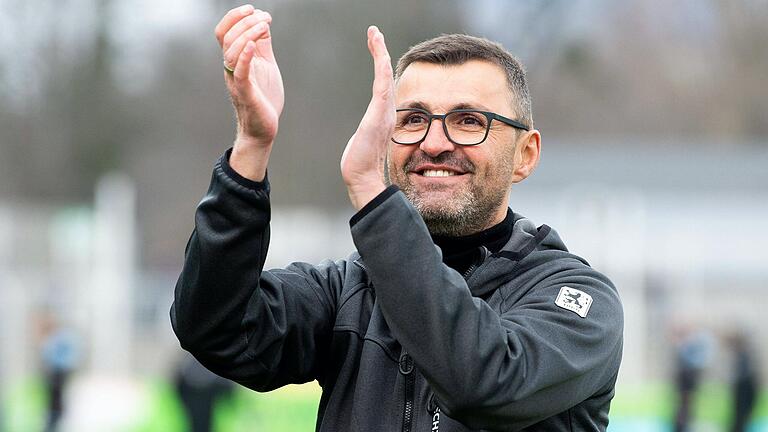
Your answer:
<point x="437" y="173"/>
<point x="430" y="174"/>
<point x="437" y="170"/>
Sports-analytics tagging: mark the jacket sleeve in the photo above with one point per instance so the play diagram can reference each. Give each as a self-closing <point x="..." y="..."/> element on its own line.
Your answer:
<point x="489" y="370"/>
<point x="263" y="329"/>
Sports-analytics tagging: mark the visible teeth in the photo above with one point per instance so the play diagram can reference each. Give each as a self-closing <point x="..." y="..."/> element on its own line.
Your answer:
<point x="438" y="173"/>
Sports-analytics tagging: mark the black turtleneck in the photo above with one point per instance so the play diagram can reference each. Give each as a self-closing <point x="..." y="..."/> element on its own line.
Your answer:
<point x="460" y="252"/>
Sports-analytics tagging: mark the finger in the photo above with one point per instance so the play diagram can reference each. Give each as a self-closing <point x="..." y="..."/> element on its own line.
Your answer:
<point x="383" y="83"/>
<point x="264" y="46"/>
<point x="231" y="17"/>
<point x="381" y="109"/>
<point x="253" y="34"/>
<point x="370" y="33"/>
<point x="244" y="25"/>
<point x="242" y="71"/>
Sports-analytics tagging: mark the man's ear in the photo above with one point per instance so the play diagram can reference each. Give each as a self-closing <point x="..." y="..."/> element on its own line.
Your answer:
<point x="526" y="155"/>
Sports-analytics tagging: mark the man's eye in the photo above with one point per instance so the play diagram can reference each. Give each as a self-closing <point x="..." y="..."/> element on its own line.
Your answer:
<point x="416" y="119"/>
<point x="413" y="120"/>
<point x="468" y="120"/>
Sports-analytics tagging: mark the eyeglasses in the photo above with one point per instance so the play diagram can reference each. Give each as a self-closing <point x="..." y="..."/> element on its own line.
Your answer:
<point x="465" y="127"/>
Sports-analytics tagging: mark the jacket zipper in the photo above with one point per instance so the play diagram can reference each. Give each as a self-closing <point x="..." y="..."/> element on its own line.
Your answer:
<point x="405" y="365"/>
<point x="469" y="271"/>
<point x="484" y="253"/>
<point x="406" y="368"/>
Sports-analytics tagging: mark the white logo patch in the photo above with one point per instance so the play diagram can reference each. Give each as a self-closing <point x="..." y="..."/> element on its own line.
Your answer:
<point x="574" y="300"/>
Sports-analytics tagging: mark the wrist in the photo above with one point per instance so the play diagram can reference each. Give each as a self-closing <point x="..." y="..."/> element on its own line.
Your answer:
<point x="250" y="160"/>
<point x="361" y="194"/>
<point x="247" y="143"/>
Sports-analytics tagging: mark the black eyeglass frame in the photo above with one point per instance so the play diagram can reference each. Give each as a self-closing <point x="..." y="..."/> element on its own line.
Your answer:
<point x="490" y="116"/>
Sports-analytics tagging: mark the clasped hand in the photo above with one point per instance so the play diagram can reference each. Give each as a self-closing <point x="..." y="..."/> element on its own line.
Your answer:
<point x="256" y="89"/>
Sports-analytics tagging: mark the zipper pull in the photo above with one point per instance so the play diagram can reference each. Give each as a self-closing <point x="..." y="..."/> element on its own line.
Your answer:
<point x="485" y="253"/>
<point x="405" y="364"/>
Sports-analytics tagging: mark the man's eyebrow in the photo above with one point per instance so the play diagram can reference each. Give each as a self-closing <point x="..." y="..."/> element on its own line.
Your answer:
<point x="416" y="104"/>
<point x="465" y="105"/>
<point x="461" y="105"/>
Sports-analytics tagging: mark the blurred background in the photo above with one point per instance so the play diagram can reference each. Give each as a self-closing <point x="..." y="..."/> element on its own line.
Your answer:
<point x="654" y="117"/>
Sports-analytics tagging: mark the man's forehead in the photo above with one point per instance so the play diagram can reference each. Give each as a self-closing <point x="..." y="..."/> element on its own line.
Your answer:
<point x="477" y="83"/>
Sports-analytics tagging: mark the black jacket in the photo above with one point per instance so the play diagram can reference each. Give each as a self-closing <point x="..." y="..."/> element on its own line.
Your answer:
<point x="397" y="340"/>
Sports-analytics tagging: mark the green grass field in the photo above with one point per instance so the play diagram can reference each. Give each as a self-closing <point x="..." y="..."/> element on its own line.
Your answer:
<point x="294" y="408"/>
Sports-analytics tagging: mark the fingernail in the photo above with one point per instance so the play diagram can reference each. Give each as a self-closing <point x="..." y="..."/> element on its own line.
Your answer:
<point x="246" y="9"/>
<point x="260" y="26"/>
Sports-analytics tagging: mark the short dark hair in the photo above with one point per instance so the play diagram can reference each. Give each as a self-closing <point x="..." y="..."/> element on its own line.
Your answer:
<point x="457" y="49"/>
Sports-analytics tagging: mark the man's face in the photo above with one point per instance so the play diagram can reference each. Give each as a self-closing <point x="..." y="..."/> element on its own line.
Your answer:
<point x="457" y="189"/>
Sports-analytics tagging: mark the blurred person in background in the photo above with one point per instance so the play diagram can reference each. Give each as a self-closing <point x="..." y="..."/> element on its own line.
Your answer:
<point x="199" y="390"/>
<point x="59" y="355"/>
<point x="693" y="352"/>
<point x="455" y="313"/>
<point x="746" y="383"/>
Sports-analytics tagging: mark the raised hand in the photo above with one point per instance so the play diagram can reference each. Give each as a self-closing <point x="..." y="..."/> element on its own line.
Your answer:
<point x="362" y="163"/>
<point x="255" y="86"/>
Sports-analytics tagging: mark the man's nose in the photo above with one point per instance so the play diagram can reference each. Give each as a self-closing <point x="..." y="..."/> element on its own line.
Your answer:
<point x="436" y="141"/>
